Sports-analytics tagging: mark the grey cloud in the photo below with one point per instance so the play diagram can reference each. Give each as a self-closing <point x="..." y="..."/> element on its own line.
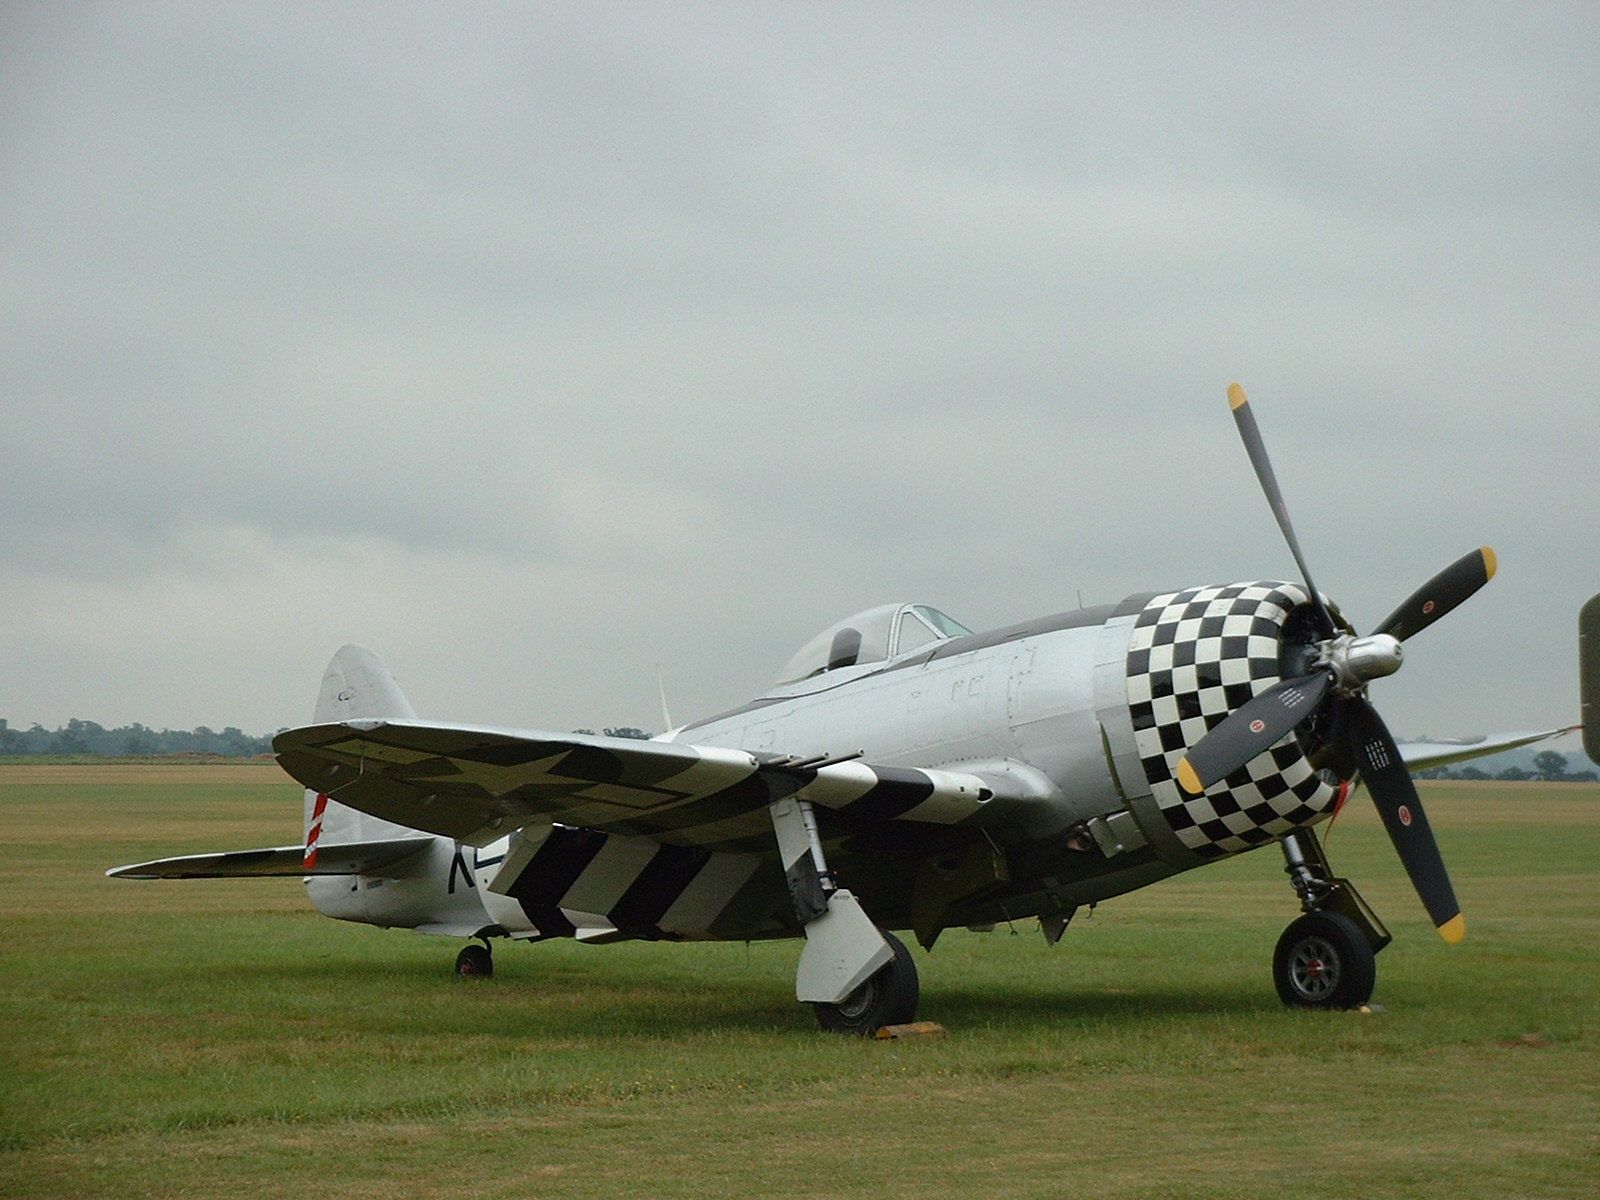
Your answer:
<point x="744" y="319"/>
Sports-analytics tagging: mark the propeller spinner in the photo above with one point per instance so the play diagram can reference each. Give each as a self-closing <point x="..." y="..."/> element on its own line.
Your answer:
<point x="1338" y="676"/>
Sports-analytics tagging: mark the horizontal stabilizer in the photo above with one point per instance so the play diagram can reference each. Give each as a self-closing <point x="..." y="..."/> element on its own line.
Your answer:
<point x="347" y="858"/>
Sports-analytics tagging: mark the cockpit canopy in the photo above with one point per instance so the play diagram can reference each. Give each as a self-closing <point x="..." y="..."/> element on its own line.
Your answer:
<point x="876" y="635"/>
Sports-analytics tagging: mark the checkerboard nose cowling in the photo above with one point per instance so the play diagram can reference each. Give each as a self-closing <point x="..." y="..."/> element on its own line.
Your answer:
<point x="1194" y="657"/>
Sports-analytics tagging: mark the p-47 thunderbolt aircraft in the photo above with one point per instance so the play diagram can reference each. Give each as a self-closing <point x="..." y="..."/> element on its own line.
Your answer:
<point x="905" y="773"/>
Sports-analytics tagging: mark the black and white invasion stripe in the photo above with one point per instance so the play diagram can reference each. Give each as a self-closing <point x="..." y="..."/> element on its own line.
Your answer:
<point x="570" y="880"/>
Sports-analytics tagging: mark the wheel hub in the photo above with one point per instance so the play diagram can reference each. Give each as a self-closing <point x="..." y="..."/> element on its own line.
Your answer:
<point x="859" y="1001"/>
<point x="1314" y="967"/>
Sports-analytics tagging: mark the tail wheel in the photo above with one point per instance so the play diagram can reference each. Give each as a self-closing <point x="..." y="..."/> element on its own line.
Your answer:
<point x="475" y="962"/>
<point x="1323" y="960"/>
<point x="888" y="998"/>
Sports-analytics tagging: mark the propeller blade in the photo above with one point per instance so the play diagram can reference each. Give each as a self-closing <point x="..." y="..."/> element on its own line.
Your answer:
<point x="1395" y="796"/>
<point x="1440" y="594"/>
<point x="1257" y="449"/>
<point x="1250" y="729"/>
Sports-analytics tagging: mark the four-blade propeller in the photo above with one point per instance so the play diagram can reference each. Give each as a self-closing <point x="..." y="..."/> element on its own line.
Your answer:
<point x="1343" y="666"/>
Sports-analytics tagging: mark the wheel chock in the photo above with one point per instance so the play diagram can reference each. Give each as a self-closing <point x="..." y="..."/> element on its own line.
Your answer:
<point x="916" y="1029"/>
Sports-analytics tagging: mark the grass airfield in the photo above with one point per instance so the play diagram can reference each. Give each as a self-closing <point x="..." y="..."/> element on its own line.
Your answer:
<point x="218" y="1038"/>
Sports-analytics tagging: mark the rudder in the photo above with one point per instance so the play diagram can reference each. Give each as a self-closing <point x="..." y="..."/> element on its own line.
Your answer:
<point x="356" y="686"/>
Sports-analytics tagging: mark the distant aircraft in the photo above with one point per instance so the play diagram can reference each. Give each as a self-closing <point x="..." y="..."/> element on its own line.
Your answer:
<point x="905" y="773"/>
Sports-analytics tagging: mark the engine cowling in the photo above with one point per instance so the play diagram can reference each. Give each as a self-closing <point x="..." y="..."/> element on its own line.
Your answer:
<point x="1193" y="657"/>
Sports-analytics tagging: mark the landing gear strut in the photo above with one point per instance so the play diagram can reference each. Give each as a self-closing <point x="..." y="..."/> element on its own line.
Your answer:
<point x="1327" y="957"/>
<point x="855" y="976"/>
<point x="475" y="962"/>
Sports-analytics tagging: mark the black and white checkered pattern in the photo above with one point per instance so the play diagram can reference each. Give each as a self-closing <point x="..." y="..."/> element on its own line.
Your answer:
<point x="1193" y="658"/>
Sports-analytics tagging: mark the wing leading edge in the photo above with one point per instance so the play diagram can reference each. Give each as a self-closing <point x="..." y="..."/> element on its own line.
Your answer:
<point x="1440" y="753"/>
<point x="478" y="784"/>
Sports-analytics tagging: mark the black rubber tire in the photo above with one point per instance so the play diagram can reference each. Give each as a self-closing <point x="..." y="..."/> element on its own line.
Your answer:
<point x="475" y="962"/>
<point x="1323" y="960"/>
<point x="888" y="998"/>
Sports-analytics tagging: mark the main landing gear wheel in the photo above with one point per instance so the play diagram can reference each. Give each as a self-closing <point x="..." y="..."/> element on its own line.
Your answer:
<point x="1323" y="960"/>
<point x="888" y="998"/>
<point x="475" y="962"/>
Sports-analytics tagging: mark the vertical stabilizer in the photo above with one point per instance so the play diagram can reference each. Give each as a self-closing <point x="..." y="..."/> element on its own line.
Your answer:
<point x="355" y="686"/>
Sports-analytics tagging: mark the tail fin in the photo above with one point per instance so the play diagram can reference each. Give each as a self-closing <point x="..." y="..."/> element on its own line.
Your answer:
<point x="356" y="685"/>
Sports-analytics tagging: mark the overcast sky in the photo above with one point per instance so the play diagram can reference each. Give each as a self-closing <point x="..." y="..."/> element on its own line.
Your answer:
<point x="535" y="345"/>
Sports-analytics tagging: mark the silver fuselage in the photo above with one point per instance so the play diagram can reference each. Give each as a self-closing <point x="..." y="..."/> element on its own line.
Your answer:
<point x="1082" y="715"/>
<point x="1034" y="704"/>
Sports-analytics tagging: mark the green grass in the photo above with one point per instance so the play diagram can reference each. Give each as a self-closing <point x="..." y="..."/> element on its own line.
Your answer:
<point x="219" y="1039"/>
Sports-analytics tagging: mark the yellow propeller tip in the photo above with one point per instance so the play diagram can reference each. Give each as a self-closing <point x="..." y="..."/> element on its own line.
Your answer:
<point x="1454" y="929"/>
<point x="1189" y="778"/>
<point x="1236" y="398"/>
<point x="1491" y="563"/>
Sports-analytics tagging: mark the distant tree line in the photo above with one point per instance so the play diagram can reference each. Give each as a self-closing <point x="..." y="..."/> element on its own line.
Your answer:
<point x="90" y="737"/>
<point x="1549" y="766"/>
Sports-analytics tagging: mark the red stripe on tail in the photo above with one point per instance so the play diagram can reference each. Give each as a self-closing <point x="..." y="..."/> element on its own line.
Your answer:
<point x="315" y="831"/>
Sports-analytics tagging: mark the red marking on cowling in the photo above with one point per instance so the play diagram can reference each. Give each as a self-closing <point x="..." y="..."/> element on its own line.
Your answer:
<point x="1338" y="807"/>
